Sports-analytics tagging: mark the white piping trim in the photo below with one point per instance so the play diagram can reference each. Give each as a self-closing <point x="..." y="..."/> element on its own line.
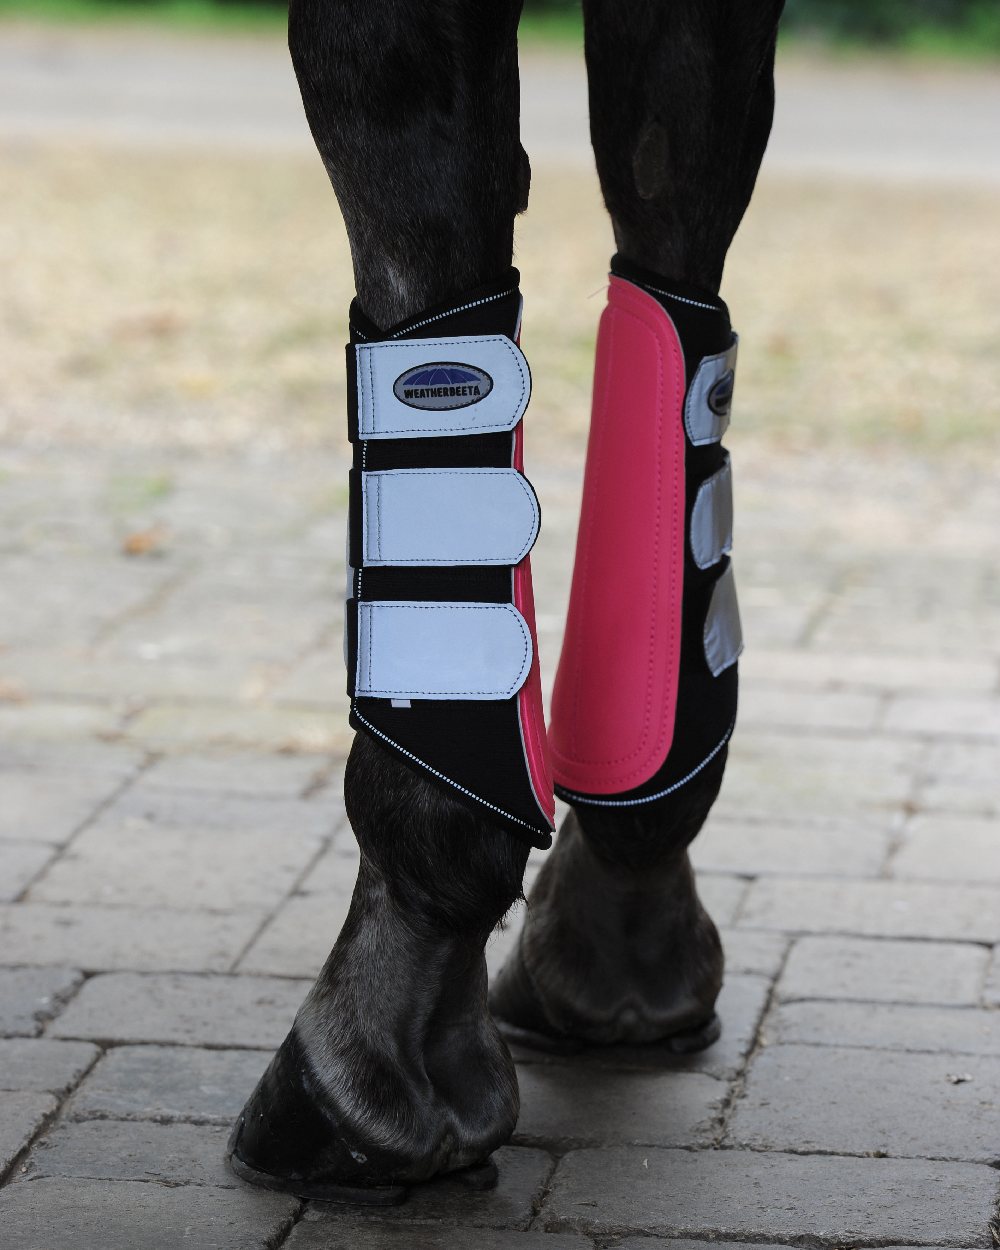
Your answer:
<point x="681" y="298"/>
<point x="583" y="798"/>
<point x="423" y="764"/>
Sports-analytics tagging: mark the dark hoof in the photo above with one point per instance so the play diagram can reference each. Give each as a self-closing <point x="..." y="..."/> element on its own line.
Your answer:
<point x="318" y="1191"/>
<point x="687" y="1042"/>
<point x="480" y="1177"/>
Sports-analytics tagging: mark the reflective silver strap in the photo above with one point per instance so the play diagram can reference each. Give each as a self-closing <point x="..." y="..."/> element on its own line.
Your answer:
<point x="430" y="650"/>
<point x="723" y="632"/>
<point x="431" y="388"/>
<point x="712" y="518"/>
<point x="710" y="397"/>
<point x="448" y="516"/>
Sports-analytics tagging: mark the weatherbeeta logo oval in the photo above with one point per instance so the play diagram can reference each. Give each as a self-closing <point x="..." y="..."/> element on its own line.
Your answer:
<point x="442" y="385"/>
<point x="720" y="397"/>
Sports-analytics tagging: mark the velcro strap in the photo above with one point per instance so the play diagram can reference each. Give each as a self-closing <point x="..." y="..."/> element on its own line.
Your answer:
<point x="432" y="388"/>
<point x="429" y="650"/>
<point x="723" y="633"/>
<point x="448" y="516"/>
<point x="710" y="397"/>
<point x="712" y="518"/>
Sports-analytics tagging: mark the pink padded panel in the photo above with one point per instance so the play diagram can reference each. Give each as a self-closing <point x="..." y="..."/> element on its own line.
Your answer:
<point x="530" y="711"/>
<point x="615" y="694"/>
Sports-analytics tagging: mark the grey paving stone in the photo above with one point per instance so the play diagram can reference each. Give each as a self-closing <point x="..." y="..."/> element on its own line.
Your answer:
<point x="783" y="706"/>
<point x="947" y="847"/>
<point x="30" y="996"/>
<point x="153" y="808"/>
<point x="133" y="864"/>
<point x="852" y="1101"/>
<point x="991" y="993"/>
<point x="57" y="721"/>
<point x="190" y="726"/>
<point x="116" y="1150"/>
<point x="753" y="951"/>
<point x="877" y="970"/>
<point x="523" y="1176"/>
<point x="964" y="715"/>
<point x="738" y="1195"/>
<point x="961" y="777"/>
<point x="237" y="773"/>
<point x="169" y="1083"/>
<point x="145" y="939"/>
<point x="917" y="909"/>
<point x="326" y="1234"/>
<point x="844" y="848"/>
<point x="42" y="1065"/>
<point x="297" y="940"/>
<point x="21" y="1116"/>
<point x="886" y="1026"/>
<point x="191" y="1010"/>
<point x="721" y="894"/>
<point x="19" y="862"/>
<point x="840" y="669"/>
<point x="45" y="806"/>
<point x="568" y="1105"/>
<point x="67" y="1214"/>
<point x="740" y="1007"/>
<point x="825" y="776"/>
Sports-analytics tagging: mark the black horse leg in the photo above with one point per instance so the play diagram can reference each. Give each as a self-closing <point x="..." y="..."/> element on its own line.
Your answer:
<point x="394" y="1071"/>
<point x="616" y="945"/>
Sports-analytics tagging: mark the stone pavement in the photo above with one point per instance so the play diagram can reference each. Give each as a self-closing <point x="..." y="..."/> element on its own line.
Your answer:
<point x="174" y="864"/>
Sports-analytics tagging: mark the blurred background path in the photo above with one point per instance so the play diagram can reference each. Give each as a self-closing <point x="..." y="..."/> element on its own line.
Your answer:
<point x="174" y="856"/>
<point x="150" y="88"/>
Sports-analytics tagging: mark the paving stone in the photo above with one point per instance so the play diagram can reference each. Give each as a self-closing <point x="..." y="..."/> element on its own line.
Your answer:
<point x="237" y="773"/>
<point x="296" y="942"/>
<point x="846" y="848"/>
<point x="852" y="1101"/>
<point x="326" y="1234"/>
<point x="66" y="1214"/>
<point x="840" y="669"/>
<point x="720" y="1194"/>
<point x="753" y="951"/>
<point x="886" y="1026"/>
<point x="961" y="777"/>
<point x="336" y="870"/>
<point x="721" y="895"/>
<point x="169" y="1083"/>
<point x="21" y="1116"/>
<point x="740" y="1007"/>
<point x="567" y="1105"/>
<point x="184" y="726"/>
<point x="115" y="1150"/>
<point x="30" y="996"/>
<point x="961" y="913"/>
<point x="53" y="720"/>
<point x="787" y="707"/>
<point x="19" y="863"/>
<point x="523" y="1176"/>
<point x="43" y="1066"/>
<point x="773" y="773"/>
<point x="965" y="715"/>
<point x="156" y="808"/>
<point x="991" y="994"/>
<point x="950" y="848"/>
<point x="878" y="970"/>
<point x="48" y="807"/>
<point x="126" y="866"/>
<point x="148" y="939"/>
<point x="192" y="1010"/>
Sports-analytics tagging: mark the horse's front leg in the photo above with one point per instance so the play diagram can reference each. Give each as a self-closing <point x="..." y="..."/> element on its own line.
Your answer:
<point x="616" y="945"/>
<point x="394" y="1071"/>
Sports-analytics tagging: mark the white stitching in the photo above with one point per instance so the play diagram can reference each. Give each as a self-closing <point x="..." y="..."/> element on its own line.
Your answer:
<point x="423" y="764"/>
<point x="582" y="798"/>
<point x="476" y="303"/>
<point x="680" y="298"/>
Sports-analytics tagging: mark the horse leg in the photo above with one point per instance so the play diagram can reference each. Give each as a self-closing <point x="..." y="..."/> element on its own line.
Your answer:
<point x="616" y="945"/>
<point x="393" y="1070"/>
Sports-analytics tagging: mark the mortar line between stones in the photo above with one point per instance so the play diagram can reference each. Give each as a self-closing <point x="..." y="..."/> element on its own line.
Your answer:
<point x="91" y="818"/>
<point x="149" y="603"/>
